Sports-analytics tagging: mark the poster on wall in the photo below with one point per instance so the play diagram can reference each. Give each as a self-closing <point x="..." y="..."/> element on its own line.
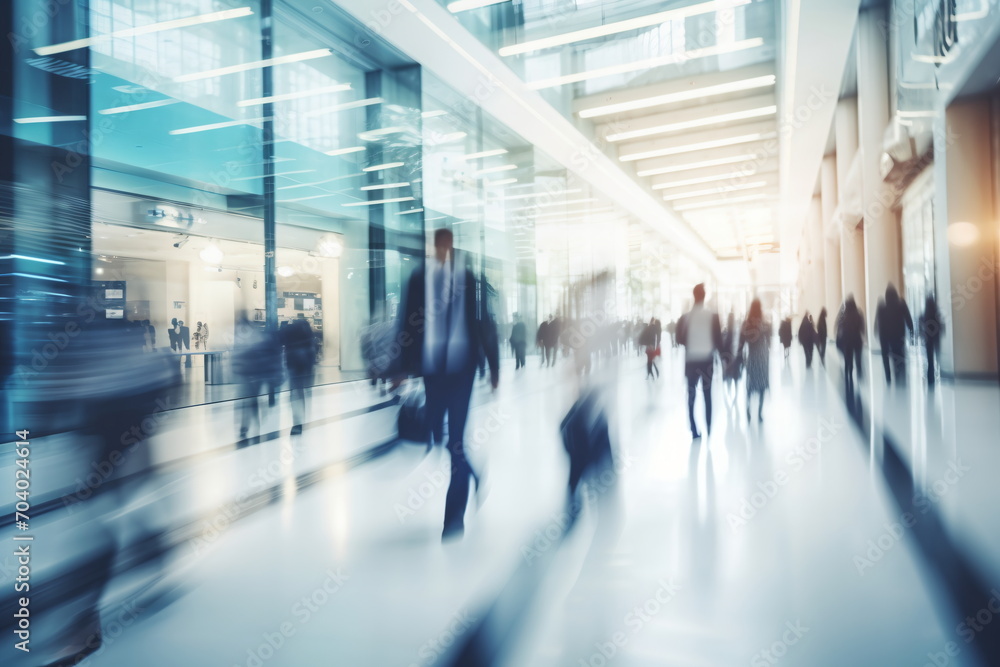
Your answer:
<point x="114" y="294"/>
<point x="114" y="314"/>
<point x="178" y="305"/>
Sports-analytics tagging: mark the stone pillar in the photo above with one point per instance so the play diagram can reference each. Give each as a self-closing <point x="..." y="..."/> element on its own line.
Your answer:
<point x="852" y="244"/>
<point x="831" y="246"/>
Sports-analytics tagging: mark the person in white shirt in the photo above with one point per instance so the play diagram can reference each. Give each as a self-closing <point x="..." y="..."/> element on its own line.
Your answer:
<point x="700" y="332"/>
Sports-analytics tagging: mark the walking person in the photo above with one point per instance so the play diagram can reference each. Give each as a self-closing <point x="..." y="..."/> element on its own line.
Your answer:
<point x="892" y="320"/>
<point x="700" y="332"/>
<point x="850" y="338"/>
<point x="540" y="338"/>
<point x="300" y="360"/>
<point x="648" y="341"/>
<point x="518" y="341"/>
<point x="821" y="336"/>
<point x="807" y="337"/>
<point x="732" y="359"/>
<point x="257" y="362"/>
<point x="552" y="333"/>
<point x="447" y="340"/>
<point x="755" y="337"/>
<point x="785" y="335"/>
<point x="931" y="328"/>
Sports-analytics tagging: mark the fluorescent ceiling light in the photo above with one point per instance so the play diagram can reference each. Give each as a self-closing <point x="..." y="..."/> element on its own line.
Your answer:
<point x="759" y="112"/>
<point x="620" y="26"/>
<point x="715" y="191"/>
<point x="138" y="107"/>
<point x="698" y="181"/>
<point x="314" y="183"/>
<point x="374" y="135"/>
<point x="433" y="113"/>
<point x="339" y="88"/>
<point x="256" y="64"/>
<point x="48" y="119"/>
<point x="587" y="211"/>
<point x="345" y="151"/>
<point x="567" y="202"/>
<point x="482" y="154"/>
<point x="649" y="63"/>
<point x="447" y="138"/>
<point x="688" y="148"/>
<point x="356" y="104"/>
<point x="380" y="167"/>
<point x="721" y="202"/>
<point x="542" y="194"/>
<point x="412" y="210"/>
<point x="493" y="170"/>
<point x="284" y="173"/>
<point x="145" y="30"/>
<point x="502" y="181"/>
<point x="379" y="201"/>
<point x="718" y="162"/>
<point x="215" y="126"/>
<point x="384" y="186"/>
<point x="682" y="96"/>
<point x="465" y="5"/>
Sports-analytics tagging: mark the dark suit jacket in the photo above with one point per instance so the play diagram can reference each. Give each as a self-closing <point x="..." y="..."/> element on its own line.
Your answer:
<point x="412" y="325"/>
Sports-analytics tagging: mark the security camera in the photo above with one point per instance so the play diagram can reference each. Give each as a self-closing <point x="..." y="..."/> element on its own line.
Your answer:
<point x="180" y="244"/>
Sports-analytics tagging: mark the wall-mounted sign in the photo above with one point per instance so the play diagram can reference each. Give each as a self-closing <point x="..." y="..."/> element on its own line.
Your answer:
<point x="114" y="313"/>
<point x="114" y="294"/>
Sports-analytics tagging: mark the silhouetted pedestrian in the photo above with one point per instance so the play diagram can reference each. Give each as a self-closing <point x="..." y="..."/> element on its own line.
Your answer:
<point x="931" y="328"/>
<point x="518" y="341"/>
<point x="755" y="337"/>
<point x="700" y="332"/>
<point x="785" y="335"/>
<point x="300" y="360"/>
<point x="807" y="337"/>
<point x="850" y="338"/>
<point x="892" y="320"/>
<point x="821" y="336"/>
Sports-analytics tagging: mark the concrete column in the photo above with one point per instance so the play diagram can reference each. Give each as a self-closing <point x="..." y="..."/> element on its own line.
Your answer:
<point x="881" y="224"/>
<point x="815" y="259"/>
<point x="831" y="244"/>
<point x="852" y="243"/>
<point x="971" y="240"/>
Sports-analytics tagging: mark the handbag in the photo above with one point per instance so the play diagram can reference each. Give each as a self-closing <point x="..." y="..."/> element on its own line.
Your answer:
<point x="412" y="422"/>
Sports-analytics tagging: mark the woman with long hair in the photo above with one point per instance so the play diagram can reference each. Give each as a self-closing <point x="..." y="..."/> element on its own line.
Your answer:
<point x="756" y="336"/>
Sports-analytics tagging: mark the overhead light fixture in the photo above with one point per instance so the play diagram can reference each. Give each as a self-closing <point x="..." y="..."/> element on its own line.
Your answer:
<point x="216" y="126"/>
<point x="552" y="193"/>
<point x="284" y="97"/>
<point x="703" y="145"/>
<point x="718" y="162"/>
<point x="649" y="63"/>
<point x="681" y="96"/>
<point x="284" y="173"/>
<point x="493" y="170"/>
<point x="434" y="113"/>
<point x="627" y="25"/>
<point x="412" y="210"/>
<point x="356" y="104"/>
<point x="380" y="167"/>
<point x="448" y="138"/>
<point x="144" y="30"/>
<point x="256" y="64"/>
<point x="138" y="107"/>
<point x="374" y="135"/>
<point x="482" y="154"/>
<point x="49" y="119"/>
<point x="211" y="254"/>
<point x="699" y="181"/>
<point x="566" y="202"/>
<point x="721" y="203"/>
<point x="384" y="186"/>
<point x="715" y="191"/>
<point x="465" y="5"/>
<point x="502" y="181"/>
<point x="286" y="271"/>
<point x="760" y="112"/>
<point x="379" y="201"/>
<point x="330" y="246"/>
<point x="346" y="151"/>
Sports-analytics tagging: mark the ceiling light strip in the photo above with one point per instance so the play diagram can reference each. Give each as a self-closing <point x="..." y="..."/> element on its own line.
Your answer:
<point x="682" y="96"/>
<point x="284" y="97"/>
<point x="257" y="64"/>
<point x="703" y="145"/>
<point x="759" y="112"/>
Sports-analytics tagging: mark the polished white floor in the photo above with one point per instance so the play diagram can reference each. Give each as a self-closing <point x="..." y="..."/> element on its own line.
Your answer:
<point x="351" y="570"/>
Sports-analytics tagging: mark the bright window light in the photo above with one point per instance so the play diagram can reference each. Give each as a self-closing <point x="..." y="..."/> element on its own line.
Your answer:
<point x="677" y="150"/>
<point x="49" y="119"/>
<point x="620" y="26"/>
<point x="493" y="170"/>
<point x="356" y="104"/>
<point x="721" y="203"/>
<point x="482" y="154"/>
<point x="138" y="107"/>
<point x="384" y="186"/>
<point x="697" y="122"/>
<point x="346" y="151"/>
<point x="649" y="63"/>
<point x="216" y="126"/>
<point x="718" y="162"/>
<point x="682" y="96"/>
<point x="379" y="201"/>
<point x="465" y="5"/>
<point x="339" y="88"/>
<point x="256" y="64"/>
<point x="380" y="167"/>
<point x="715" y="191"/>
<point x="145" y="30"/>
